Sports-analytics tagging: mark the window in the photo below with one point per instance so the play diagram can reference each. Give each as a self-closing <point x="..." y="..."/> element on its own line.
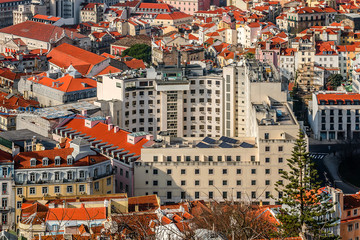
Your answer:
<point x="33" y="162"/>
<point x="168" y="158"/>
<point x="168" y="183"/>
<point x="44" y="190"/>
<point x="267" y="149"/>
<point x="197" y="195"/>
<point x="4" y="202"/>
<point x="238" y="195"/>
<point x="238" y="158"/>
<point x="219" y="158"/>
<point x="155" y="183"/>
<point x="57" y="176"/>
<point x="210" y="158"/>
<point x="253" y="171"/>
<point x="18" y="204"/>
<point x="183" y="171"/>
<point x="238" y="171"/>
<point x="280" y="148"/>
<point x="350" y="227"/>
<point x="253" y="158"/>
<point x="57" y="160"/>
<point x="356" y="225"/>
<point x="211" y="182"/>
<point x="69" y="160"/>
<point x="155" y="158"/>
<point x="169" y="195"/>
<point x="211" y="171"/>
<point x="253" y="195"/>
<point x="168" y="171"/>
<point x="267" y="194"/>
<point x="280" y="160"/>
<point x="224" y="182"/>
<point x="69" y="189"/>
<point x="224" y="171"/>
<point x="44" y="175"/>
<point x="57" y="189"/>
<point x="81" y="188"/>
<point x="197" y="171"/>
<point x="211" y="195"/>
<point x="32" y="177"/>
<point x="355" y="212"/>
<point x="197" y="182"/>
<point x="267" y="171"/>
<point x="280" y="171"/>
<point x="253" y="182"/>
<point x="82" y="174"/>
<point x="267" y="182"/>
<point x="183" y="182"/>
<point x="108" y="181"/>
<point x="224" y="194"/>
<point x="155" y="171"/>
<point x="183" y="195"/>
<point x="32" y="191"/>
<point x="19" y="191"/>
<point x="70" y="175"/>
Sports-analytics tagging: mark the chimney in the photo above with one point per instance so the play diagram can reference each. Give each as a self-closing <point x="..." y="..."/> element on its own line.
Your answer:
<point x="108" y="119"/>
<point x="110" y="126"/>
<point x="116" y="129"/>
<point x="84" y="112"/>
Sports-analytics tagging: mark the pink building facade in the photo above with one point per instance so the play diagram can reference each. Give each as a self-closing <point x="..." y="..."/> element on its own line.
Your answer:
<point x="192" y="6"/>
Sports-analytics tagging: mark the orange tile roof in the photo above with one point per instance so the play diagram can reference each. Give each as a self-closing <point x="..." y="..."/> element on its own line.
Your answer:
<point x="144" y="203"/>
<point x="135" y="64"/>
<point x="22" y="160"/>
<point x="163" y="6"/>
<point x="65" y="55"/>
<point x="34" y="214"/>
<point x="337" y="96"/>
<point x="14" y="101"/>
<point x="38" y="31"/>
<point x="46" y="17"/>
<point x="107" y="70"/>
<point x="173" y="16"/>
<point x="100" y="132"/>
<point x="66" y="83"/>
<point x="76" y="214"/>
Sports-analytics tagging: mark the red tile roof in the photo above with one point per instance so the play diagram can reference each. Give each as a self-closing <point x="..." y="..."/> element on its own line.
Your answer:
<point x="163" y="6"/>
<point x="14" y="101"/>
<point x="34" y="214"/>
<point x="107" y="70"/>
<point x="38" y="31"/>
<point x="65" y="55"/>
<point x="100" y="132"/>
<point x="46" y="17"/>
<point x="76" y="214"/>
<point x="144" y="203"/>
<point x="337" y="96"/>
<point x="135" y="64"/>
<point x="22" y="160"/>
<point x="66" y="83"/>
<point x="173" y="16"/>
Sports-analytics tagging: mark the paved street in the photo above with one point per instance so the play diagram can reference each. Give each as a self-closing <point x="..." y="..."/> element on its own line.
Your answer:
<point x="327" y="165"/>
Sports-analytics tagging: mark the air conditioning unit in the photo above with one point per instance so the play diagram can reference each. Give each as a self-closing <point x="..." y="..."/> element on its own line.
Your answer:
<point x="21" y="196"/>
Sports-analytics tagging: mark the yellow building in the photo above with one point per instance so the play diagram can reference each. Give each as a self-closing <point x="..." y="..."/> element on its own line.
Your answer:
<point x="62" y="173"/>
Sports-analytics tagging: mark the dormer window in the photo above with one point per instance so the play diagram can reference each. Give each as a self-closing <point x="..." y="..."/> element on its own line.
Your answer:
<point x="44" y="175"/>
<point x="45" y="161"/>
<point x="57" y="161"/>
<point x="70" y="160"/>
<point x="33" y="162"/>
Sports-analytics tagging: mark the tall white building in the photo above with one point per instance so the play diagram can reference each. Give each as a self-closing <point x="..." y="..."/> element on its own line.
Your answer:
<point x="335" y="115"/>
<point x="187" y="101"/>
<point x="243" y="167"/>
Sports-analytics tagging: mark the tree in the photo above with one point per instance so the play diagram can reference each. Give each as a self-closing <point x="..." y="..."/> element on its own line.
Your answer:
<point x="335" y="80"/>
<point x="249" y="55"/>
<point x="306" y="210"/>
<point x="236" y="221"/>
<point x="138" y="51"/>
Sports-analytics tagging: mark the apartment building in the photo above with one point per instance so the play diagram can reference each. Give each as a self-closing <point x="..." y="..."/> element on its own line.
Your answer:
<point x="246" y="166"/>
<point x="186" y="101"/>
<point x="26" y="12"/>
<point x="335" y="115"/>
<point x="92" y="12"/>
<point x="73" y="171"/>
<point x="6" y="8"/>
<point x="7" y="193"/>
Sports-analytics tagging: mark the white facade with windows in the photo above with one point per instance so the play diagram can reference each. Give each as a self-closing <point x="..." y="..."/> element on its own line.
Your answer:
<point x="335" y="115"/>
<point x="246" y="166"/>
<point x="7" y="193"/>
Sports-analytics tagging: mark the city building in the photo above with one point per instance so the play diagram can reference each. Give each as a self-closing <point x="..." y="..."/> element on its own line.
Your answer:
<point x="67" y="56"/>
<point x="192" y="6"/>
<point x="335" y="115"/>
<point x="25" y="12"/>
<point x="122" y="147"/>
<point x="6" y="8"/>
<point x="172" y="19"/>
<point x="57" y="88"/>
<point x="68" y="172"/>
<point x="92" y="12"/>
<point x="7" y="195"/>
<point x="36" y="35"/>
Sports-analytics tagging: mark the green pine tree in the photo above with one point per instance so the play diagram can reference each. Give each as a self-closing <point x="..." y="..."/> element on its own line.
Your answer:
<point x="306" y="210"/>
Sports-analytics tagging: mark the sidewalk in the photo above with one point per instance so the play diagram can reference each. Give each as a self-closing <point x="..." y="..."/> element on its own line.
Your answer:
<point x="332" y="164"/>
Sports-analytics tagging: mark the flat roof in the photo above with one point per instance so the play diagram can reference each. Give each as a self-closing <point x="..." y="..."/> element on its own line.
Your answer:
<point x="19" y="136"/>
